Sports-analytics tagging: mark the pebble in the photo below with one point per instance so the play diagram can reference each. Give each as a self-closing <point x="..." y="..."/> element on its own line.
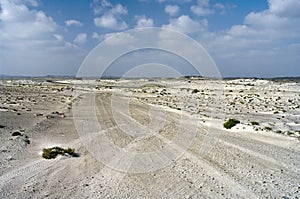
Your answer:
<point x="10" y="158"/>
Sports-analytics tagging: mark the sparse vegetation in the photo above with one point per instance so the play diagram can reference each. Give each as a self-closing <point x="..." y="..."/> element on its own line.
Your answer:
<point x="51" y="153"/>
<point x="268" y="128"/>
<point x="289" y="133"/>
<point x="254" y="123"/>
<point x="231" y="123"/>
<point x="195" y="91"/>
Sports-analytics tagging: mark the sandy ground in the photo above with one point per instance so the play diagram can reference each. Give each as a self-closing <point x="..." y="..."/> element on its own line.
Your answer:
<point x="160" y="138"/>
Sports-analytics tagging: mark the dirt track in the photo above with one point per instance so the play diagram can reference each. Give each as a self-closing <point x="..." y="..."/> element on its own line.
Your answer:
<point x="170" y="160"/>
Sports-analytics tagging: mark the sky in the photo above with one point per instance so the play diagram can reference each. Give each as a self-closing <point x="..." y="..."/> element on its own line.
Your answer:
<point x="244" y="38"/>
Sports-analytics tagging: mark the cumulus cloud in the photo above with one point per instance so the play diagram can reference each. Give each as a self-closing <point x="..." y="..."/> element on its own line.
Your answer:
<point x="223" y="8"/>
<point x="24" y="32"/>
<point x="267" y="34"/>
<point x="73" y="22"/>
<point x="96" y="36"/>
<point x="20" y="22"/>
<point x="118" y="10"/>
<point x="110" y="15"/>
<point x="119" y="38"/>
<point x="80" y="38"/>
<point x="185" y="24"/>
<point x="172" y="10"/>
<point x="202" y="8"/>
<point x="142" y="22"/>
<point x="289" y="8"/>
<point x="111" y="22"/>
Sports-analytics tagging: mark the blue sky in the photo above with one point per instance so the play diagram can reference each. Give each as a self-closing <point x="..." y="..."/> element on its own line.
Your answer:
<point x="259" y="38"/>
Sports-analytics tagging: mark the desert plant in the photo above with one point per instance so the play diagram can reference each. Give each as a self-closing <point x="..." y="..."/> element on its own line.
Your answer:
<point x="268" y="128"/>
<point x="254" y="123"/>
<point x="195" y="91"/>
<point x="231" y="123"/>
<point x="289" y="133"/>
<point x="51" y="153"/>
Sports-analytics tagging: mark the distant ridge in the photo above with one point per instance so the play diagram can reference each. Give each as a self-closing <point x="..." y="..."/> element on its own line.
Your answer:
<point x="3" y="76"/>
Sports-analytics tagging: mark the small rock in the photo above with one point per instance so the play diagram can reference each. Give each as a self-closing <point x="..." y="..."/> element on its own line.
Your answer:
<point x="3" y="149"/>
<point x="16" y="133"/>
<point x="10" y="158"/>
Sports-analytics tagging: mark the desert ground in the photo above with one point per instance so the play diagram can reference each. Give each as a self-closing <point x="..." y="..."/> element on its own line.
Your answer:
<point x="150" y="138"/>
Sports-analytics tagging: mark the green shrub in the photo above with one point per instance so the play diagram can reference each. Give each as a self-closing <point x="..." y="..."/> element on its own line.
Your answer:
<point x="231" y="123"/>
<point x="195" y="91"/>
<point x="268" y="128"/>
<point x="290" y="133"/>
<point x="254" y="123"/>
<point x="51" y="153"/>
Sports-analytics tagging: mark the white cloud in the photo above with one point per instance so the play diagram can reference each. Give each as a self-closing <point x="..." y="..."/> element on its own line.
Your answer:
<point x="202" y="8"/>
<point x="142" y="22"/>
<point x="107" y="7"/>
<point x="31" y="43"/>
<point x="261" y="43"/>
<point x="119" y="38"/>
<point x="110" y="21"/>
<point x="96" y="36"/>
<point x="80" y="38"/>
<point x="289" y="8"/>
<point x="200" y="11"/>
<point x="59" y="37"/>
<point x="118" y="10"/>
<point x="73" y="22"/>
<point x="105" y="3"/>
<point x="220" y="6"/>
<point x="20" y="22"/>
<point x="223" y="8"/>
<point x="111" y="15"/>
<point x="186" y="25"/>
<point x="172" y="10"/>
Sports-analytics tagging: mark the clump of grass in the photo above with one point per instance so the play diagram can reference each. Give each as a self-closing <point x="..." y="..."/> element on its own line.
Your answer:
<point x="268" y="128"/>
<point x="289" y="133"/>
<point x="231" y="123"/>
<point x="276" y="112"/>
<point x="51" y="153"/>
<point x="279" y="131"/>
<point x="195" y="91"/>
<point x="254" y="123"/>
